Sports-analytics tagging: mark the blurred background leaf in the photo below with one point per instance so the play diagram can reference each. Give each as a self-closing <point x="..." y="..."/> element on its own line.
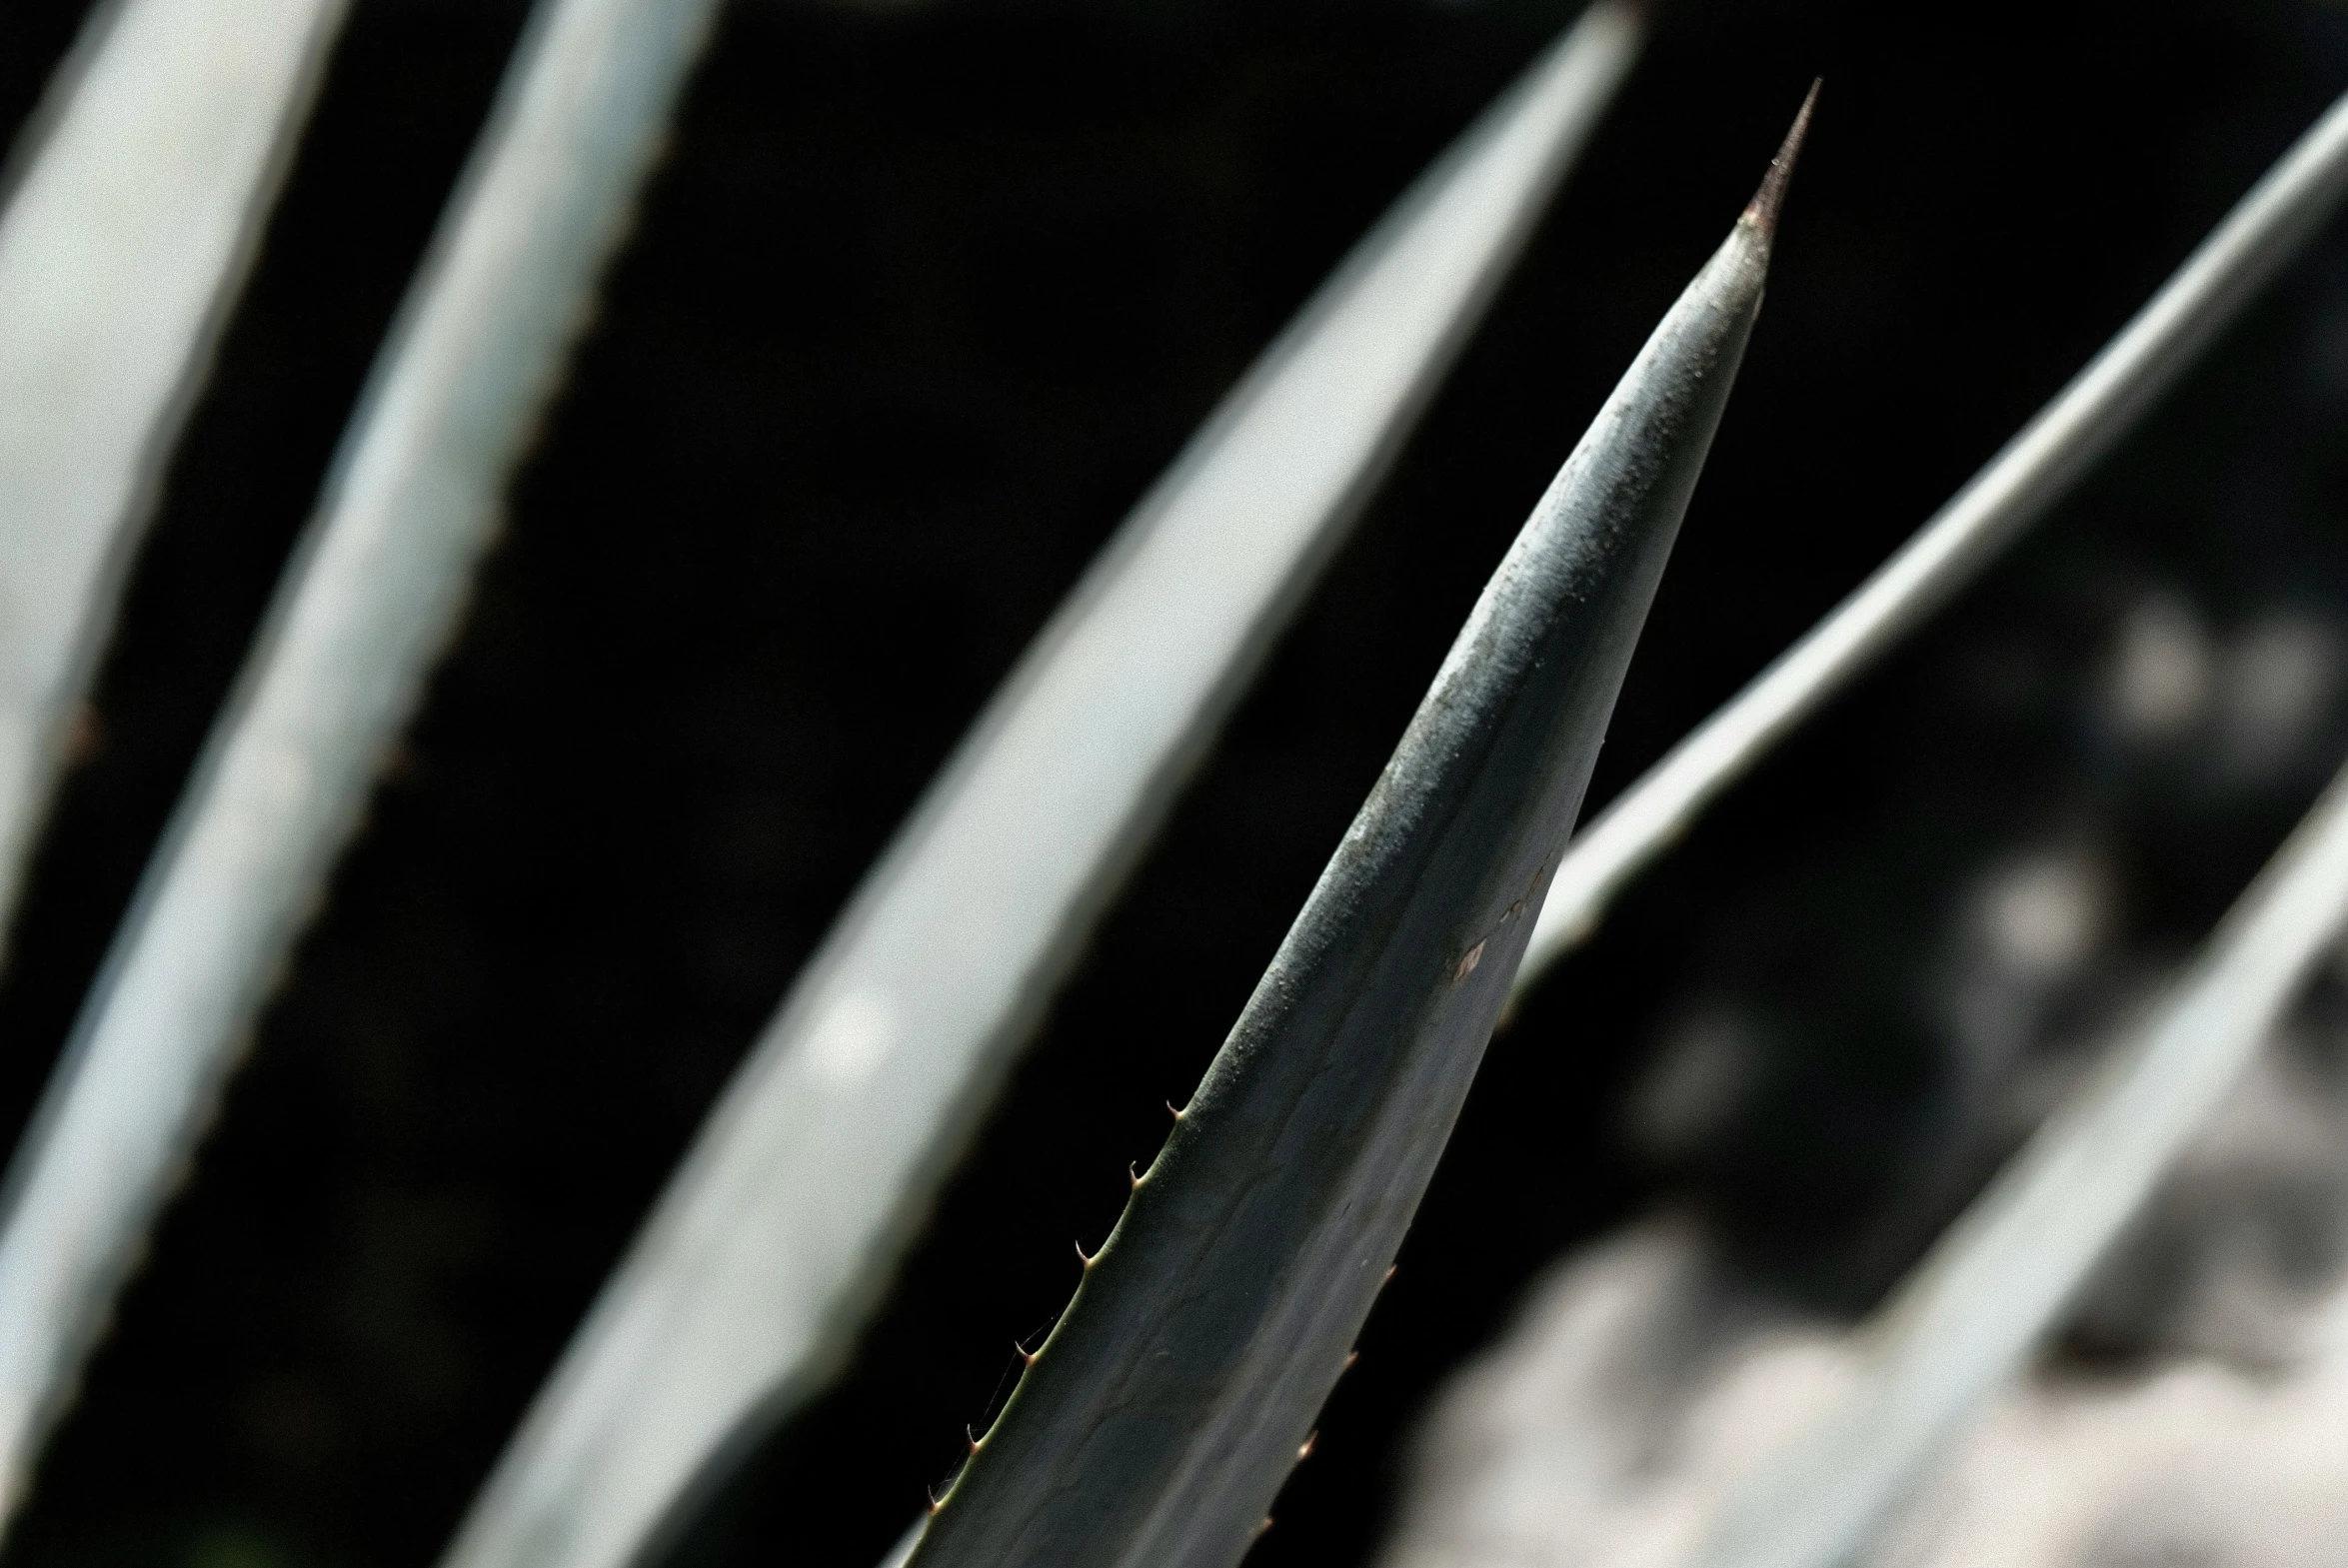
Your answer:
<point x="1051" y="235"/>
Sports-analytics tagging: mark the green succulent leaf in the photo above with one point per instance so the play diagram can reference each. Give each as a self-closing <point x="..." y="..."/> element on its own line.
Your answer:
<point x="761" y="1262"/>
<point x="2270" y="225"/>
<point x="160" y="148"/>
<point x="1161" y="1417"/>
<point x="364" y="607"/>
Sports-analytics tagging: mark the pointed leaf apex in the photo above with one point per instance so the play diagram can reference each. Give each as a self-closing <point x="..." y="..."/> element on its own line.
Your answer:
<point x="1761" y="213"/>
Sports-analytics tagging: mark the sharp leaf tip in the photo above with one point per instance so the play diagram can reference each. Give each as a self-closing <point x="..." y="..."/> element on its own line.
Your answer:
<point x="1762" y="212"/>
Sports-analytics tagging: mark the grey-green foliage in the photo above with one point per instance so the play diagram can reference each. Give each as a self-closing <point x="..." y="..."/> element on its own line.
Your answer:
<point x="1293" y="1174"/>
<point x="1165" y="1410"/>
<point x="761" y="1262"/>
<point x="2028" y="476"/>
<point x="363" y="608"/>
<point x="156" y="153"/>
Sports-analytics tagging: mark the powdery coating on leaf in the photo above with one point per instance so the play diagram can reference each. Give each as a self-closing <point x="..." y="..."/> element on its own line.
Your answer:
<point x="751" y="1278"/>
<point x="1170" y="1402"/>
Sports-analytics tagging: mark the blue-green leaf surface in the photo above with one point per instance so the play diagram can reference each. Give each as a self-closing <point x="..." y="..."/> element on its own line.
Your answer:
<point x="362" y="610"/>
<point x="155" y="158"/>
<point x="2266" y="229"/>
<point x="763" y="1258"/>
<point x="1158" y="1421"/>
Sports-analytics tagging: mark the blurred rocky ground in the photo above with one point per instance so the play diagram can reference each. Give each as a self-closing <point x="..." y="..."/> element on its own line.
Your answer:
<point x="1862" y="1053"/>
<point x="921" y="299"/>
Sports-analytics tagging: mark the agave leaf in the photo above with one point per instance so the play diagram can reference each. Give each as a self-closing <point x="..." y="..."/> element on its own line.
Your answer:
<point x="1166" y="1407"/>
<point x="365" y="604"/>
<point x="2035" y="470"/>
<point x="1998" y="1282"/>
<point x="158" y="151"/>
<point x="756" y="1269"/>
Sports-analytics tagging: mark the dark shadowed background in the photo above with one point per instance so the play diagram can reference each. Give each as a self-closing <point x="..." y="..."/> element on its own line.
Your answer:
<point x="921" y="299"/>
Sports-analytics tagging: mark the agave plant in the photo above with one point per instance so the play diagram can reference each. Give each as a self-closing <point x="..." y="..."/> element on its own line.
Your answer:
<point x="1157" y="1419"/>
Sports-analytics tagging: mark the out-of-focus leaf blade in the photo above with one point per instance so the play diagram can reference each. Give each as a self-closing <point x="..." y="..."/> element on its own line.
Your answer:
<point x="2034" y="471"/>
<point x="364" y="606"/>
<point x="758" y="1268"/>
<point x="156" y="158"/>
<point x="1168" y="1406"/>
<point x="1998" y="1282"/>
